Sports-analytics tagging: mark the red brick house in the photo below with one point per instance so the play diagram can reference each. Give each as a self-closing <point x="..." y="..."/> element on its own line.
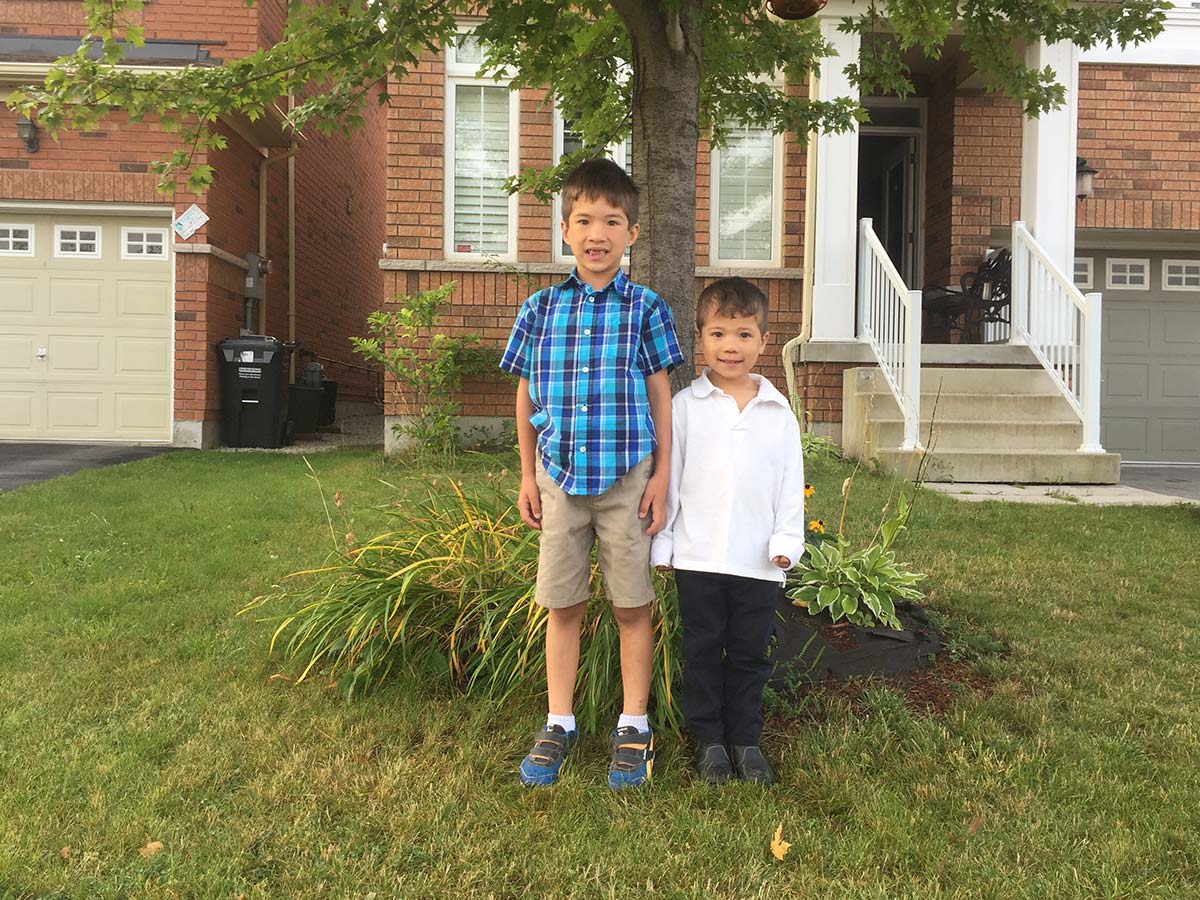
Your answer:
<point x="108" y="321"/>
<point x="944" y="174"/>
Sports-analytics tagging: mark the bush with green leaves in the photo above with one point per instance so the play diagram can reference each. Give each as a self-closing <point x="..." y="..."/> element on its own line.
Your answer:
<point x="428" y="366"/>
<point x="861" y="586"/>
<point x="448" y="594"/>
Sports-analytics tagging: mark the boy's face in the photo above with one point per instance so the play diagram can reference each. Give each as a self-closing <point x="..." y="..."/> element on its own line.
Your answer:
<point x="731" y="346"/>
<point x="598" y="233"/>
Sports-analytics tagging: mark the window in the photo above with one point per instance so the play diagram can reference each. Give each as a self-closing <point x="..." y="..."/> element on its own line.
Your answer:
<point x="481" y="152"/>
<point x="16" y="240"/>
<point x="143" y="243"/>
<point x="79" y="241"/>
<point x="1083" y="271"/>
<point x="568" y="141"/>
<point x="746" y="188"/>
<point x="1129" y="274"/>
<point x="1181" y="275"/>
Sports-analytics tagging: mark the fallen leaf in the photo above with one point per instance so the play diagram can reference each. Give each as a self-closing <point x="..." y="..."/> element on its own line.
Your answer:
<point x="975" y="825"/>
<point x="779" y="847"/>
<point x="150" y="849"/>
<point x="279" y="676"/>
<point x="337" y="499"/>
<point x="65" y="852"/>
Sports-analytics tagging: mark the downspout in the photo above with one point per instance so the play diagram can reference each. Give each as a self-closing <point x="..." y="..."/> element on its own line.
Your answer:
<point x="266" y="160"/>
<point x="291" y="248"/>
<point x="792" y="347"/>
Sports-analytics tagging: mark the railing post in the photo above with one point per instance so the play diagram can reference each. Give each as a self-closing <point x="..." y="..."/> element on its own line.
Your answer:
<point x="912" y="372"/>
<point x="864" y="255"/>
<point x="1019" y="302"/>
<point x="1091" y="375"/>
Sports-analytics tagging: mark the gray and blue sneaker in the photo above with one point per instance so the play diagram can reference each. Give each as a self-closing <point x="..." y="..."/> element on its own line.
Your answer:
<point x="550" y="747"/>
<point x="632" y="758"/>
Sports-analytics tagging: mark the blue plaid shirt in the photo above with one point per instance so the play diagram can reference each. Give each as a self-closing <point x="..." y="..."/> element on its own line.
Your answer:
<point x="587" y="355"/>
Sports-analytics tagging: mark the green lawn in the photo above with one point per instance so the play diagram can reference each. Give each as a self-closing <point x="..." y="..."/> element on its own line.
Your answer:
<point x="136" y="708"/>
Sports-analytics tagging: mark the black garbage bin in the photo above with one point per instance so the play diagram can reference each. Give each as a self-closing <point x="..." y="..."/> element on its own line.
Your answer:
<point x="254" y="399"/>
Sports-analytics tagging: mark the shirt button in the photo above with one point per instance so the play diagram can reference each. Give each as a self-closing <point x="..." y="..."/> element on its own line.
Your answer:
<point x="583" y="449"/>
<point x="583" y="408"/>
<point x="590" y="299"/>
<point x="587" y="331"/>
<point x="584" y="369"/>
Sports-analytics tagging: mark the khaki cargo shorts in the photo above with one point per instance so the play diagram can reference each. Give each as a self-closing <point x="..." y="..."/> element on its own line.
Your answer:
<point x="571" y="524"/>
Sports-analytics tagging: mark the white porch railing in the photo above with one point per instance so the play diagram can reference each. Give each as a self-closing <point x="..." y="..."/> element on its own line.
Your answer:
<point x="1062" y="328"/>
<point x="889" y="321"/>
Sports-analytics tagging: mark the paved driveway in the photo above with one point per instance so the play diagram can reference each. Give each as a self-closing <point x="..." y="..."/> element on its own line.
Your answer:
<point x="1177" y="481"/>
<point x="25" y="463"/>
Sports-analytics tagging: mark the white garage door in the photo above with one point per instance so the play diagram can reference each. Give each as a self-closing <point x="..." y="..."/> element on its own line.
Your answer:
<point x="85" y="326"/>
<point x="1150" y="404"/>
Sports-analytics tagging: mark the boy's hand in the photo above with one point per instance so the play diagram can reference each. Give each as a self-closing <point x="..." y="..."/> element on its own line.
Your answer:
<point x="782" y="561"/>
<point x="654" y="502"/>
<point x="529" y="502"/>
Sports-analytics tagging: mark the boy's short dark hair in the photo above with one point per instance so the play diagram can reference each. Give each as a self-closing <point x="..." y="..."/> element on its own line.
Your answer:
<point x="601" y="179"/>
<point x="732" y="296"/>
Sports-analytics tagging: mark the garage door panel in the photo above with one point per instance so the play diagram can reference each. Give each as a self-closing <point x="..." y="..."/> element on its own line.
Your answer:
<point x="74" y="412"/>
<point x="140" y="412"/>
<point x="1126" y="381"/>
<point x="143" y="301"/>
<point x="1125" y="435"/>
<point x="1181" y="382"/>
<point x="1179" y="437"/>
<point x="142" y="356"/>
<point x="1127" y="329"/>
<point x="1180" y="326"/>
<point x="18" y="355"/>
<point x="74" y="354"/>
<point x="18" y="411"/>
<point x="77" y="297"/>
<point x="17" y="295"/>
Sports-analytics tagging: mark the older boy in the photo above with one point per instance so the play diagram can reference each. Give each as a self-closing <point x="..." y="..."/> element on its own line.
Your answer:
<point x="735" y="522"/>
<point x="594" y="430"/>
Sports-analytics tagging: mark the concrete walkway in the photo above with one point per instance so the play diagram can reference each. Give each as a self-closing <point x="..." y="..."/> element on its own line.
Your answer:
<point x="1140" y="486"/>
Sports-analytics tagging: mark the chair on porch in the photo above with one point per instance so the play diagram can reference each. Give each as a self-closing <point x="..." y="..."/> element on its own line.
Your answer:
<point x="983" y="296"/>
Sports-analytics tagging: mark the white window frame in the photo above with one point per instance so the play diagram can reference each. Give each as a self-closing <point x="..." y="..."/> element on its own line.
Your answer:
<point x="1108" y="274"/>
<point x="67" y="254"/>
<point x="616" y="152"/>
<point x="1090" y="269"/>
<point x="714" y="207"/>
<point x="1179" y="262"/>
<point x="143" y="257"/>
<point x="12" y="226"/>
<point x="464" y="73"/>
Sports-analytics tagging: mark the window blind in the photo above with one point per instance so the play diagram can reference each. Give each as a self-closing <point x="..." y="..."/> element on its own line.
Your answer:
<point x="745" y="194"/>
<point x="481" y="165"/>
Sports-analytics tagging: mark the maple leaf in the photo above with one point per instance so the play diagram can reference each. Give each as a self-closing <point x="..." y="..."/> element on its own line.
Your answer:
<point x="779" y="847"/>
<point x="65" y="852"/>
<point x="150" y="849"/>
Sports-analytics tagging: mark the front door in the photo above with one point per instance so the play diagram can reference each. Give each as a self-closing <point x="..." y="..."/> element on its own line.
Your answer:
<point x="887" y="195"/>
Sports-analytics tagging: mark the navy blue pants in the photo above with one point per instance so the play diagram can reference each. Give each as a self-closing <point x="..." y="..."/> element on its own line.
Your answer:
<point x="727" y="625"/>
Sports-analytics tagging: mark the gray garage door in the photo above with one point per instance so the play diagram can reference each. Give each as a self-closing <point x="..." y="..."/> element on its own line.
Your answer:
<point x="1150" y="406"/>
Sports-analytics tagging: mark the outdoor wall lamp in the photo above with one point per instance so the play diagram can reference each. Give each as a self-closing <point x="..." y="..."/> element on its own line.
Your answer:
<point x="1083" y="178"/>
<point x="27" y="131"/>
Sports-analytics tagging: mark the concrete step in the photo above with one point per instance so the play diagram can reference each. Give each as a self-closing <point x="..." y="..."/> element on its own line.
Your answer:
<point x="1049" y="407"/>
<point x="974" y="434"/>
<point x="968" y="381"/>
<point x="1009" y="466"/>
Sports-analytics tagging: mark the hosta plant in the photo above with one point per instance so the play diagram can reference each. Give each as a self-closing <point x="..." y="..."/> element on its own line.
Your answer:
<point x="861" y="586"/>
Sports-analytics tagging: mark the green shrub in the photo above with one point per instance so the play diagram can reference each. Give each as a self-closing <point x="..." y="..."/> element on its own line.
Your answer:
<point x="449" y="593"/>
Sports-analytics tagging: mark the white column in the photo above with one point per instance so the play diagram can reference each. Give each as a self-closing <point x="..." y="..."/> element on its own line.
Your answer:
<point x="836" y="234"/>
<point x="1048" y="147"/>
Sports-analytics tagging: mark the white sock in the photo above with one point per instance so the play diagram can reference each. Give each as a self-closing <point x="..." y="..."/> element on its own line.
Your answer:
<point x="641" y="723"/>
<point x="567" y="723"/>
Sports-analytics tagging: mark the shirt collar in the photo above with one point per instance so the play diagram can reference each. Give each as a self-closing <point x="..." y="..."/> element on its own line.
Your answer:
<point x="767" y="392"/>
<point x="620" y="283"/>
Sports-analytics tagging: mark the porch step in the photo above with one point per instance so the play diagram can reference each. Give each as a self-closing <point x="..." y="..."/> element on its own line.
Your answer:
<point x="989" y="425"/>
<point x="1010" y="466"/>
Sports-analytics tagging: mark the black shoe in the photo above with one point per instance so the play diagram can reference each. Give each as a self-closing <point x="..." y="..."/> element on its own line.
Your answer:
<point x="713" y="764"/>
<point x="752" y="766"/>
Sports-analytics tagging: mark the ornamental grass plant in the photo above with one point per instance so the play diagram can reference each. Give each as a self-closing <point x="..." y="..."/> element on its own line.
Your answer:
<point x="447" y="593"/>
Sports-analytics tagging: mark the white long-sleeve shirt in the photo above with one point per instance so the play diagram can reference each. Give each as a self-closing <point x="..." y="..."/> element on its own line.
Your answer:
<point x="736" y="497"/>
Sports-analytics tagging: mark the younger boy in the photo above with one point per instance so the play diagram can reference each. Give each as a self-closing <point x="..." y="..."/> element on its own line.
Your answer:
<point x="594" y="430"/>
<point x="735" y="522"/>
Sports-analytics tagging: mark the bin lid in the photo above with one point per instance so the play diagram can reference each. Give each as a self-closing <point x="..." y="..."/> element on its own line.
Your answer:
<point x="259" y="342"/>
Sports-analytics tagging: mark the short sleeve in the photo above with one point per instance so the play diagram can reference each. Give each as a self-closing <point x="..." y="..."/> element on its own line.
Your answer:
<point x="517" y="355"/>
<point x="659" y="346"/>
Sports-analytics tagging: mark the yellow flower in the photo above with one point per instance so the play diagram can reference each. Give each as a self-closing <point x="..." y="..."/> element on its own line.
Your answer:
<point x="817" y="525"/>
<point x="809" y="490"/>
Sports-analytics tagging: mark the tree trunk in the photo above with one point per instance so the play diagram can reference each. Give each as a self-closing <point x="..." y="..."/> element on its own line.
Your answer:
<point x="666" y="116"/>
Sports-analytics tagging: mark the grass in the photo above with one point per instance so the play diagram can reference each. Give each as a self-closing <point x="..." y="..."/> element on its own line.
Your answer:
<point x="136" y="708"/>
